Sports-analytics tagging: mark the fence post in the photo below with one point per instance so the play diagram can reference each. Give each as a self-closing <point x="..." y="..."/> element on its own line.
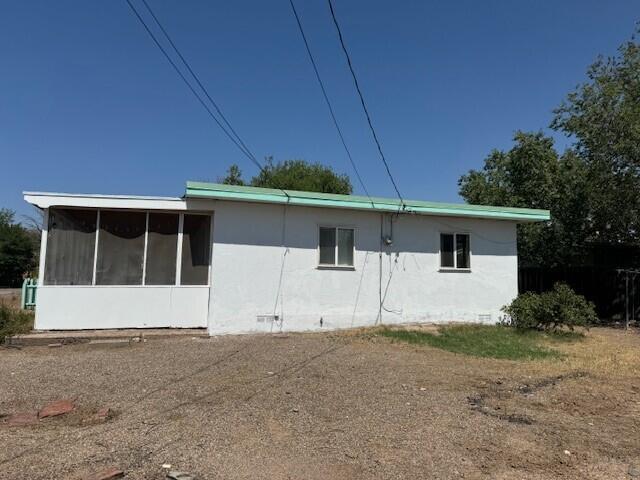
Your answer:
<point x="28" y="298"/>
<point x="626" y="301"/>
<point x="23" y="297"/>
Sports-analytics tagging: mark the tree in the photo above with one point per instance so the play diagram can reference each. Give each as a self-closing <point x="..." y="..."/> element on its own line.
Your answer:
<point x="603" y="116"/>
<point x="592" y="188"/>
<point x="533" y="175"/>
<point x="294" y="175"/>
<point x="233" y="177"/>
<point x="17" y="250"/>
<point x="522" y="177"/>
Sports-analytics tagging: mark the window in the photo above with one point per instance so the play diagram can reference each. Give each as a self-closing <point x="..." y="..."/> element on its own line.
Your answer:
<point x="462" y="251"/>
<point x="120" y="247"/>
<point x="162" y="247"/>
<point x="454" y="251"/>
<point x="336" y="246"/>
<point x="195" y="250"/>
<point x="327" y="246"/>
<point x="71" y="239"/>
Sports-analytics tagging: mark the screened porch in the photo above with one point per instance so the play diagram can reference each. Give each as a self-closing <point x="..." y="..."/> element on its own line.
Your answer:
<point x="124" y="268"/>
<point x="126" y="247"/>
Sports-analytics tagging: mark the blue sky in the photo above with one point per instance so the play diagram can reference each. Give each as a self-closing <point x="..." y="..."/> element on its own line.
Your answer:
<point x="89" y="104"/>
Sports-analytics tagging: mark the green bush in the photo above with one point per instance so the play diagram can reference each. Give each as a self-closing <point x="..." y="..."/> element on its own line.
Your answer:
<point x="13" y="321"/>
<point x="561" y="307"/>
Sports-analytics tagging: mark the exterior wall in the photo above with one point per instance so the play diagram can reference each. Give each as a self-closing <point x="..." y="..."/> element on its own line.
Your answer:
<point x="265" y="262"/>
<point x="90" y="307"/>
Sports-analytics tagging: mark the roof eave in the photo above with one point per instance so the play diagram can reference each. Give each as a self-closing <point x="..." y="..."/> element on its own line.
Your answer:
<point x="534" y="216"/>
<point x="53" y="199"/>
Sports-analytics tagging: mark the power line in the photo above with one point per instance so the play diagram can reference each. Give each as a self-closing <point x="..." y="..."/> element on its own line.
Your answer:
<point x="326" y="98"/>
<point x="247" y="153"/>
<point x="186" y="64"/>
<point x="364" y="105"/>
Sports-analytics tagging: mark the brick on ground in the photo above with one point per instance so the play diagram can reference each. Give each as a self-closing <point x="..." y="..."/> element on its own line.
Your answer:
<point x="59" y="407"/>
<point x="22" y="419"/>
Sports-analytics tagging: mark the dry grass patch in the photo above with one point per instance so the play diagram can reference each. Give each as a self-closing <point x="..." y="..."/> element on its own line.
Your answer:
<point x="14" y="321"/>
<point x="603" y="352"/>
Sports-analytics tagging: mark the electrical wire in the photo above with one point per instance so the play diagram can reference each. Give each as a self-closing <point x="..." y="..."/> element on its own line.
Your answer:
<point x="193" y="74"/>
<point x="392" y="268"/>
<point x="237" y="142"/>
<point x="453" y="228"/>
<point x="328" y="102"/>
<point x="364" y="105"/>
<point x="184" y="79"/>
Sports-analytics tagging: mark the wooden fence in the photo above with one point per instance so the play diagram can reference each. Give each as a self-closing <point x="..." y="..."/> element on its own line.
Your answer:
<point x="602" y="285"/>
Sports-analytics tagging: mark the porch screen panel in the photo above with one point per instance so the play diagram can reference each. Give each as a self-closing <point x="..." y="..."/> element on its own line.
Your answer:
<point x="196" y="246"/>
<point x="71" y="238"/>
<point x="162" y="245"/>
<point x="120" y="247"/>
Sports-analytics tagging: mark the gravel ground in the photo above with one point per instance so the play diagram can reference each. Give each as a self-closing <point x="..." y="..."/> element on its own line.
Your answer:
<point x="318" y="406"/>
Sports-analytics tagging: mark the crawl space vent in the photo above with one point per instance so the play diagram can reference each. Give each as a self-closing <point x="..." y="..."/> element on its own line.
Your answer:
<point x="268" y="318"/>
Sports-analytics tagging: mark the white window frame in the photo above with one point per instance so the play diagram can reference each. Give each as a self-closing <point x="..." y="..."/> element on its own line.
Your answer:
<point x="177" y="282"/>
<point x="335" y="266"/>
<point x="455" y="267"/>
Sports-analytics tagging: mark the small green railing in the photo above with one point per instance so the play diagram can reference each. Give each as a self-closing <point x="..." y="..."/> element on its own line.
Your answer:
<point x="29" y="288"/>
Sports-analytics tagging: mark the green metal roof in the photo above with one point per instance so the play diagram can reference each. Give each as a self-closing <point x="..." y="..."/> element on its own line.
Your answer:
<point x="331" y="200"/>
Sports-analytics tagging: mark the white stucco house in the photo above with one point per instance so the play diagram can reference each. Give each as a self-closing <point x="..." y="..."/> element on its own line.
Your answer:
<point x="243" y="259"/>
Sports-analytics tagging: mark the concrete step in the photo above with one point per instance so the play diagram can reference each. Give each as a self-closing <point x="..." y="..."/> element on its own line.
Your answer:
<point x="69" y="337"/>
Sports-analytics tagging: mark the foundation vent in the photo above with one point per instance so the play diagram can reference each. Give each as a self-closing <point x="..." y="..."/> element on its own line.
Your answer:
<point x="269" y="318"/>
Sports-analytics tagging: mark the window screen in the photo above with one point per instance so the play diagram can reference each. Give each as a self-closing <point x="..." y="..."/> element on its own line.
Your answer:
<point x="462" y="251"/>
<point x="71" y="238"/>
<point x="446" y="250"/>
<point x="120" y="248"/>
<point x="162" y="245"/>
<point x="345" y="246"/>
<point x="327" y="246"/>
<point x="195" y="250"/>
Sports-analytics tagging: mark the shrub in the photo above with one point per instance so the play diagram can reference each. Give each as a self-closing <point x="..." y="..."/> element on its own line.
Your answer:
<point x="561" y="307"/>
<point x="13" y="321"/>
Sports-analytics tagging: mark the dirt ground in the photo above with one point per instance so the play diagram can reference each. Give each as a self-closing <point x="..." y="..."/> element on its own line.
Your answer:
<point x="320" y="406"/>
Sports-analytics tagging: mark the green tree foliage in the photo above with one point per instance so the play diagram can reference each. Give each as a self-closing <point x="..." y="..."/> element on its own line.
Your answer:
<point x="603" y="116"/>
<point x="17" y="250"/>
<point x="592" y="188"/>
<point x="233" y="176"/>
<point x="294" y="175"/>
<point x="533" y="175"/>
<point x="521" y="177"/>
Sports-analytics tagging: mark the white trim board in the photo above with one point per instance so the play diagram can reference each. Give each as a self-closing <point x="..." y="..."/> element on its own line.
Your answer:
<point x="46" y="200"/>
